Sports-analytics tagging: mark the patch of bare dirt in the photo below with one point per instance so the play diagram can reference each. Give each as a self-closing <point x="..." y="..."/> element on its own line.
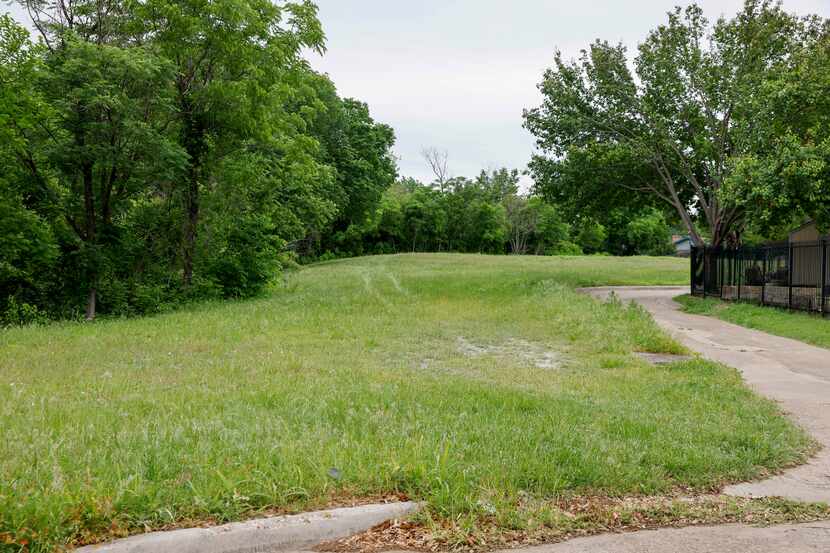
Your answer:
<point x="529" y="352"/>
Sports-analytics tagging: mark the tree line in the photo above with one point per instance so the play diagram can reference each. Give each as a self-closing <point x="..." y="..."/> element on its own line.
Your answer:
<point x="161" y="151"/>
<point x="488" y="214"/>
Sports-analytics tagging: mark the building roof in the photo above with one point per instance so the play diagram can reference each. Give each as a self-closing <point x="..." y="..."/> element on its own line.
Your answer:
<point x="806" y="232"/>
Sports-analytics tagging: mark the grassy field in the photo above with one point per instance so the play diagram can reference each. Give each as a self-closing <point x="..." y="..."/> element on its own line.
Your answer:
<point x="483" y="385"/>
<point x="806" y="327"/>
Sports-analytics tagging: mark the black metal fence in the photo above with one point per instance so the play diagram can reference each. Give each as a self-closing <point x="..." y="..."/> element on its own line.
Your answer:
<point x="793" y="275"/>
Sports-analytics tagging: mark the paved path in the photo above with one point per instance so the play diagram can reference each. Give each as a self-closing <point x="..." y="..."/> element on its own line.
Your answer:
<point x="792" y="373"/>
<point x="729" y="538"/>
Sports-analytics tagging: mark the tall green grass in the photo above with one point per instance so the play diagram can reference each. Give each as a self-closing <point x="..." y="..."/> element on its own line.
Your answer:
<point x="227" y="410"/>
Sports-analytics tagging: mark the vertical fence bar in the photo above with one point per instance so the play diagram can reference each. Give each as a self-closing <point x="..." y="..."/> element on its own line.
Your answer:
<point x="739" y="273"/>
<point x="823" y="286"/>
<point x="790" y="276"/>
<point x="764" y="277"/>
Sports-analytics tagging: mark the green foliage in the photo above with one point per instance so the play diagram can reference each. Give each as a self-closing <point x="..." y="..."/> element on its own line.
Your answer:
<point x="358" y="149"/>
<point x="699" y="98"/>
<point x="18" y="314"/>
<point x="245" y="258"/>
<point x="786" y="177"/>
<point x="590" y="236"/>
<point x="649" y="234"/>
<point x="552" y="233"/>
<point x="468" y="216"/>
<point x="28" y="252"/>
<point x="157" y="152"/>
<point x="487" y="215"/>
<point x="565" y="248"/>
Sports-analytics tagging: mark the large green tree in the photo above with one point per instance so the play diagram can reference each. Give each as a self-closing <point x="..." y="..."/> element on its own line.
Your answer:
<point x="157" y="151"/>
<point x="787" y="177"/>
<point x="357" y="147"/>
<point x="669" y="129"/>
<point x="94" y="148"/>
<point x="232" y="57"/>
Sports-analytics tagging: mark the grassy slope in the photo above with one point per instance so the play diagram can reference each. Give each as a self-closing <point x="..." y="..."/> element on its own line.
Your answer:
<point x="791" y="324"/>
<point x="226" y="410"/>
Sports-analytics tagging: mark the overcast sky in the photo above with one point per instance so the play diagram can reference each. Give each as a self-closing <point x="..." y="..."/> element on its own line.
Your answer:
<point x="456" y="74"/>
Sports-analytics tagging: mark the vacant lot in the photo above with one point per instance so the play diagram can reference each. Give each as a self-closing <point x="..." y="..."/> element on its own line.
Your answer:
<point x="483" y="385"/>
<point x="806" y="327"/>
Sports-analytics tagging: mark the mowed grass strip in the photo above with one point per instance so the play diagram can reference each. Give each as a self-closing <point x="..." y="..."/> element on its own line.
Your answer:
<point x="806" y="327"/>
<point x="413" y="374"/>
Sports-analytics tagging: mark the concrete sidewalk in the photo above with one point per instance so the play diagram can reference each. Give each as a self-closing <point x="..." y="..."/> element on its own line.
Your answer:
<point x="730" y="538"/>
<point x="794" y="374"/>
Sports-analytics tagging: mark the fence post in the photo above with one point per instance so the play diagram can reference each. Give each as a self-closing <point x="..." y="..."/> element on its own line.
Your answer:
<point x="823" y="276"/>
<point x="764" y="277"/>
<point x="740" y="263"/>
<point x="790" y="276"/>
<point x="721" y="271"/>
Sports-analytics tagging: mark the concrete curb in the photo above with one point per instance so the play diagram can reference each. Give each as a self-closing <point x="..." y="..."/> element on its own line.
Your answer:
<point x="284" y="533"/>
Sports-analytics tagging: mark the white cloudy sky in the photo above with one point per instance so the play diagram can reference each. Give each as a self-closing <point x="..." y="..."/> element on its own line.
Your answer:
<point x="456" y="74"/>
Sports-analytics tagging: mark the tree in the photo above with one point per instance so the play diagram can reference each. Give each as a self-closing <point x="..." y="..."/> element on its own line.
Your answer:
<point x="96" y="146"/>
<point x="649" y="234"/>
<point x="357" y="147"/>
<point x="107" y="145"/>
<point x="552" y="233"/>
<point x="487" y="229"/>
<point x="672" y="130"/>
<point x="437" y="161"/>
<point x="424" y="220"/>
<point x="231" y="57"/>
<point x="28" y="251"/>
<point x="522" y="222"/>
<point x="787" y="178"/>
<point x="498" y="184"/>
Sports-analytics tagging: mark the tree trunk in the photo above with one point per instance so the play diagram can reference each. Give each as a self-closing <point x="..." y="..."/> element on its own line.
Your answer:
<point x="90" y="303"/>
<point x="191" y="221"/>
<point x="193" y="138"/>
<point x="90" y="233"/>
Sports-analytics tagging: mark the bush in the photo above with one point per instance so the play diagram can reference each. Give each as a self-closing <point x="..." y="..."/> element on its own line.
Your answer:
<point x="18" y="314"/>
<point x="590" y="236"/>
<point x="28" y="252"/>
<point x="649" y="234"/>
<point x="245" y="258"/>
<point x="565" y="248"/>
